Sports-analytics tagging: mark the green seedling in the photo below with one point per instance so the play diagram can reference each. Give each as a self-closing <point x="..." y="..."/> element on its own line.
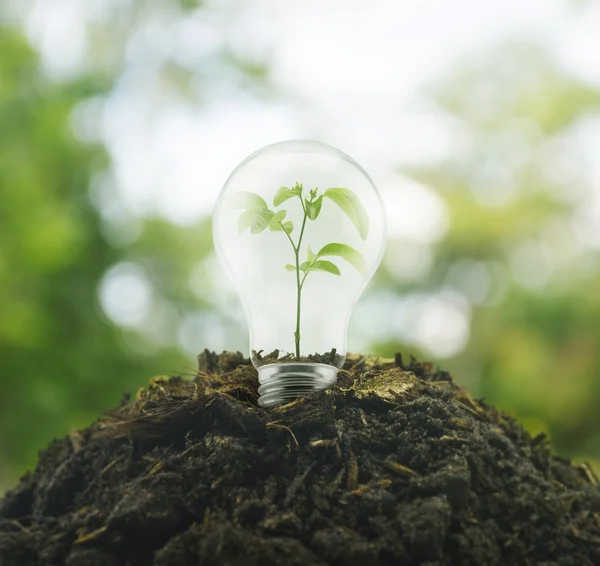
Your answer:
<point x="257" y="217"/>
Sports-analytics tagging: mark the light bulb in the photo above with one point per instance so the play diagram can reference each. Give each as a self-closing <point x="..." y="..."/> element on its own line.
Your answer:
<point x="299" y="227"/>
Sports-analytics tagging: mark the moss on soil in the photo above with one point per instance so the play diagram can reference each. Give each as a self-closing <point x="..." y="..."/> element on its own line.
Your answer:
<point x="395" y="465"/>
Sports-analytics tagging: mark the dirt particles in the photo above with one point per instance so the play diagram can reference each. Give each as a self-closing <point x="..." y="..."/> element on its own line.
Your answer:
<point x="396" y="465"/>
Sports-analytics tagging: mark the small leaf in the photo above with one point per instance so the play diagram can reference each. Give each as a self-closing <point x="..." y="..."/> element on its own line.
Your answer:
<point x="304" y="266"/>
<point x="261" y="219"/>
<point x="324" y="265"/>
<point x="275" y="224"/>
<point x="288" y="226"/>
<point x="283" y="194"/>
<point x="313" y="208"/>
<point x="353" y="208"/>
<point x="247" y="200"/>
<point x="352" y="256"/>
<point x="279" y="216"/>
<point x="245" y="220"/>
<point x="290" y="267"/>
<point x="311" y="256"/>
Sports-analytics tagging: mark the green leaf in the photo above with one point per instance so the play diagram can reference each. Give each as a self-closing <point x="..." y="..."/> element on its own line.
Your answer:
<point x="283" y="194"/>
<point x="275" y="224"/>
<point x="352" y="256"/>
<point x="245" y="220"/>
<point x="247" y="200"/>
<point x="290" y="267"/>
<point x="313" y="208"/>
<point x="261" y="219"/>
<point x="304" y="266"/>
<point x="353" y="208"/>
<point x="311" y="256"/>
<point x="288" y="226"/>
<point x="324" y="265"/>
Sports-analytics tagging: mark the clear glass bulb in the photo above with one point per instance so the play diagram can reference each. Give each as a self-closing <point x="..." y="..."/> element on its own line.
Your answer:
<point x="300" y="229"/>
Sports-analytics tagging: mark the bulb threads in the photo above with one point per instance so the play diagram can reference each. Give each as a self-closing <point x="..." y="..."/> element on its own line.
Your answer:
<point x="281" y="383"/>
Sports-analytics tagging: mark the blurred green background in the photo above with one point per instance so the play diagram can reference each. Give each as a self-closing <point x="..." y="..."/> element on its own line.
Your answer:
<point x="120" y="120"/>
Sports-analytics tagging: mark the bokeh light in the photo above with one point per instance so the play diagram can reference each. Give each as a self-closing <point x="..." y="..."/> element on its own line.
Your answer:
<point x="479" y="123"/>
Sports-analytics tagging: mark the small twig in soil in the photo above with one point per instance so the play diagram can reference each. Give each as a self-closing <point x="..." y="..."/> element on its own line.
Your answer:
<point x="110" y="465"/>
<point x="588" y="473"/>
<point x="193" y="370"/>
<point x="461" y="423"/>
<point x="189" y="449"/>
<point x="276" y="425"/>
<point x="76" y="440"/>
<point x="90" y="536"/>
<point x="324" y="442"/>
<point x="464" y="407"/>
<point x="24" y="529"/>
<point x="156" y="468"/>
<point x="363" y="418"/>
<point x="399" y="469"/>
<point x="328" y="443"/>
<point x="361" y="490"/>
<point x="352" y="472"/>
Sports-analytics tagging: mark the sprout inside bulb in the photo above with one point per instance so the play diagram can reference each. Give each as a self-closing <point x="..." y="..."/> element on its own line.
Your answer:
<point x="300" y="229"/>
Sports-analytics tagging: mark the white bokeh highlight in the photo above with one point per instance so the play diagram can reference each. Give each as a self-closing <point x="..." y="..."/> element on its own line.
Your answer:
<point x="347" y="72"/>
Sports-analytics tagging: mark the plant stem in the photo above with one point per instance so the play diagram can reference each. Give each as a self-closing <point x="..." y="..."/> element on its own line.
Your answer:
<point x="298" y="284"/>
<point x="288" y="236"/>
<point x="298" y="303"/>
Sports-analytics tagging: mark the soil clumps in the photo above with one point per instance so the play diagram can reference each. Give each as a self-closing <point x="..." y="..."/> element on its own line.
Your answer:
<point x="396" y="465"/>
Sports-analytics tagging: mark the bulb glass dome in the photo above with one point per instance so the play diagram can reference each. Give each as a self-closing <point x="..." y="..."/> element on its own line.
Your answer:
<point x="299" y="227"/>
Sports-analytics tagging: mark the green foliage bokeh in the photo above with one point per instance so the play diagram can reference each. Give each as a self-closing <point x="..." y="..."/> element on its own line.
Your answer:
<point x="534" y="352"/>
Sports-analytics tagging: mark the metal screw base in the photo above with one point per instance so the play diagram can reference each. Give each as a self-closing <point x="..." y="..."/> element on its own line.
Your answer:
<point x="284" y="382"/>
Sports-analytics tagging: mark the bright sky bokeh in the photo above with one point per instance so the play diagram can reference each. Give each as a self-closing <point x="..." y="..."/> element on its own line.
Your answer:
<point x="347" y="72"/>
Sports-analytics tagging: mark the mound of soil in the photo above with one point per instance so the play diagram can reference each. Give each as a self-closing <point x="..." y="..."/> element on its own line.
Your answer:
<point x="396" y="465"/>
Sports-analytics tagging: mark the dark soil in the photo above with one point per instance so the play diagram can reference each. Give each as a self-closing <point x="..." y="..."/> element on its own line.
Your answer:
<point x="331" y="358"/>
<point x="396" y="465"/>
